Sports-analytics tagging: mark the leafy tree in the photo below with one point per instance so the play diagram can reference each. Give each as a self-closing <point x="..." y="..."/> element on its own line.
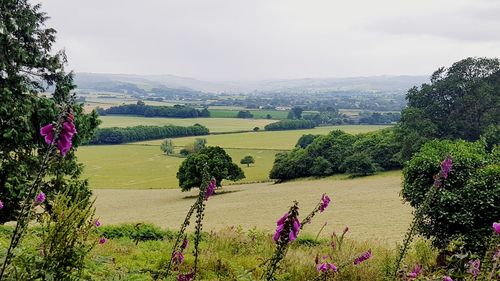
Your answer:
<point x="256" y="129"/>
<point x="247" y="160"/>
<point x="359" y="164"/>
<point x="290" y="125"/>
<point x="321" y="167"/>
<point x="199" y="144"/>
<point x="306" y="140"/>
<point x="459" y="103"/>
<point x="268" y="116"/>
<point x="468" y="201"/>
<point x="212" y="158"/>
<point x="295" y="113"/>
<point x="205" y="112"/>
<point x="244" y="114"/>
<point x="140" y="103"/>
<point x="167" y="146"/>
<point x="28" y="66"/>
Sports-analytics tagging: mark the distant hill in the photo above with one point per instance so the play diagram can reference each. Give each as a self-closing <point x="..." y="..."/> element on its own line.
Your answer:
<point x="139" y="83"/>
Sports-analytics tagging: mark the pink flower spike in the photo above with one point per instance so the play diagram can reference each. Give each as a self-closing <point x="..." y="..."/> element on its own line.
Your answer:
<point x="496" y="227"/>
<point x="346" y="229"/>
<point x="47" y="132"/>
<point x="185" y="277"/>
<point x="446" y="166"/>
<point x="1" y="204"/>
<point x="185" y="244"/>
<point x="282" y="220"/>
<point x="363" y="257"/>
<point x="40" y="198"/>
<point x="447" y="278"/>
<point x="97" y="223"/>
<point x="325" y="201"/>
<point x="322" y="267"/>
<point x="102" y="240"/>
<point x="277" y="233"/>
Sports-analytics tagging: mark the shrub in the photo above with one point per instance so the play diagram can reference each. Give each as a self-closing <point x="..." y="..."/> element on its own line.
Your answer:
<point x="359" y="164"/>
<point x="468" y="201"/>
<point x="137" y="232"/>
<point x="290" y="125"/>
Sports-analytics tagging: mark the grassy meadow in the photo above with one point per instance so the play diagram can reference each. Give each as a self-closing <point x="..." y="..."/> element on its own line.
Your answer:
<point x="143" y="165"/>
<point x="355" y="202"/>
<point x="257" y="114"/>
<point x="215" y="125"/>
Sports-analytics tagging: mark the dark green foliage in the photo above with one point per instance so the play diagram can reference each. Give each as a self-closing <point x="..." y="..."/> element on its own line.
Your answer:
<point x="359" y="164"/>
<point x="212" y="158"/>
<point x="199" y="144"/>
<point x="376" y="118"/>
<point x="326" y="155"/>
<point x="256" y="129"/>
<point x="28" y="66"/>
<point x="176" y="111"/>
<point x="469" y="200"/>
<point x="137" y="232"/>
<point x="247" y="160"/>
<point x="306" y="140"/>
<point x="290" y="125"/>
<point x="117" y="135"/>
<point x="295" y="113"/>
<point x="461" y="102"/>
<point x="167" y="146"/>
<point x="492" y="136"/>
<point x="244" y="114"/>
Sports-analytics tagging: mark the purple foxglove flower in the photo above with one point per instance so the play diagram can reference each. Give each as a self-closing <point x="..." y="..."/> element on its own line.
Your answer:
<point x="102" y="240"/>
<point x="40" y="198"/>
<point x="496" y="227"/>
<point x="47" y="132"/>
<point x="97" y="223"/>
<point x="325" y="201"/>
<point x="446" y="166"/>
<point x="447" y="278"/>
<point x="178" y="257"/>
<point x="417" y="269"/>
<point x="474" y="267"/>
<point x="185" y="244"/>
<point x="1" y="204"/>
<point x="210" y="189"/>
<point x="295" y="230"/>
<point x="363" y="257"/>
<point x="277" y="233"/>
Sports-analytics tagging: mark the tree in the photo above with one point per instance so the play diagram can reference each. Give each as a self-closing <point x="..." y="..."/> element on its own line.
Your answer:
<point x="212" y="159"/>
<point x="468" y="200"/>
<point x="140" y="103"/>
<point x="268" y="116"/>
<point x="28" y="66"/>
<point x="359" y="164"/>
<point x="199" y="144"/>
<point x="295" y="113"/>
<point x="306" y="140"/>
<point x="244" y="114"/>
<point x="205" y="112"/>
<point x="460" y="102"/>
<point x="256" y="129"/>
<point x="247" y="160"/>
<point x="167" y="146"/>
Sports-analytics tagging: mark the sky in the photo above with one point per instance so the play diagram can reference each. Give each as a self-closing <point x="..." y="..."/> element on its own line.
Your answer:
<point x="223" y="40"/>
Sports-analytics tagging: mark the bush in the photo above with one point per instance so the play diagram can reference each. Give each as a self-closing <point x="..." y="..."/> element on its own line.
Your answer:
<point x="359" y="164"/>
<point x="306" y="140"/>
<point x="176" y="111"/>
<point x="244" y="114"/>
<point x="467" y="203"/>
<point x="137" y="232"/>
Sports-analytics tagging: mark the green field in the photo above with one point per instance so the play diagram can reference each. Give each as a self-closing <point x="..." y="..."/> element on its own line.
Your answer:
<point x="142" y="165"/>
<point x="258" y="114"/>
<point x="215" y="125"/>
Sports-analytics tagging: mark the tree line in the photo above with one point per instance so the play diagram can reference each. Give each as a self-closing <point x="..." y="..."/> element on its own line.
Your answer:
<point x="290" y="125"/>
<point x="176" y="111"/>
<point x="140" y="133"/>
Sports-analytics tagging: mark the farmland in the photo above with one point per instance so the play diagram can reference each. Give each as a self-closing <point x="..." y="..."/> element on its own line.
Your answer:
<point x="142" y="164"/>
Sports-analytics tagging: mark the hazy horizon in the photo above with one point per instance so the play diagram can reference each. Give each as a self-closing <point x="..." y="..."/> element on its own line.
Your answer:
<point x="238" y="40"/>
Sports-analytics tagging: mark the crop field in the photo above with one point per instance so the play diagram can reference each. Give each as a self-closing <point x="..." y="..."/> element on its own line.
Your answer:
<point x="215" y="125"/>
<point x="355" y="202"/>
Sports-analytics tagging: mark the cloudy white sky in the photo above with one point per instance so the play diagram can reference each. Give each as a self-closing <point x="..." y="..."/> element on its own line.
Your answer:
<point x="269" y="39"/>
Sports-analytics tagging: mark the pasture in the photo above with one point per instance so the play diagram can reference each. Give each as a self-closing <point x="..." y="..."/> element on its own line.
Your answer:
<point x="143" y="165"/>
<point x="215" y="125"/>
<point x="257" y="114"/>
<point x="370" y="206"/>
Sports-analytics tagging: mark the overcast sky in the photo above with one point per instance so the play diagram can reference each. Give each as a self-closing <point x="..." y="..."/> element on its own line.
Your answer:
<point x="269" y="39"/>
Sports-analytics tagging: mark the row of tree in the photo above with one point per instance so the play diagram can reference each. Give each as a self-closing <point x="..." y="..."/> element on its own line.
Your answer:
<point x="338" y="152"/>
<point x="176" y="111"/>
<point x="139" y="133"/>
<point x="290" y="125"/>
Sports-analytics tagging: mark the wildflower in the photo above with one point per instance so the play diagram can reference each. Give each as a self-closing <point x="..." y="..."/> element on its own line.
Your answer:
<point x="446" y="166"/>
<point x="186" y="277"/>
<point x="281" y="225"/>
<point x="325" y="266"/>
<point x="1" y="204"/>
<point x="363" y="257"/>
<point x="97" y="223"/>
<point x="64" y="140"/>
<point x="474" y="267"/>
<point x="346" y="229"/>
<point x="102" y="240"/>
<point x="417" y="269"/>
<point x="210" y="189"/>
<point x="447" y="278"/>
<point x="40" y="198"/>
<point x="178" y="257"/>
<point x="325" y="201"/>
<point x="496" y="227"/>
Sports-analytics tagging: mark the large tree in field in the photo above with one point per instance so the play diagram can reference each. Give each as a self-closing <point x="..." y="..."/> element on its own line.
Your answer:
<point x="28" y="68"/>
<point x="461" y="102"/>
<point x="211" y="161"/>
